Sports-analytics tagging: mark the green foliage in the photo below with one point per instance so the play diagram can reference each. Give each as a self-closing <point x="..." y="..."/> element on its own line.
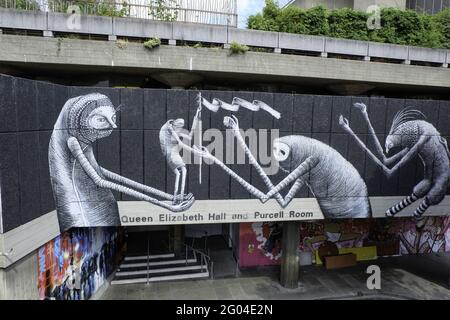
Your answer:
<point x="152" y="43"/>
<point x="408" y="28"/>
<point x="347" y="23"/>
<point x="237" y="48"/>
<point x="165" y="10"/>
<point x="198" y="45"/>
<point x="442" y="20"/>
<point x="20" y="4"/>
<point x="94" y="7"/>
<point x="397" y="26"/>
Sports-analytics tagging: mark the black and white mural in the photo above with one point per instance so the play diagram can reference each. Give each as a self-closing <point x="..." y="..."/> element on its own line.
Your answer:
<point x="415" y="137"/>
<point x="99" y="156"/>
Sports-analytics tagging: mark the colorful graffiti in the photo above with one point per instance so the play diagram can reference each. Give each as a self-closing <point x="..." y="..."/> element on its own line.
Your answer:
<point x="261" y="245"/>
<point x="75" y="264"/>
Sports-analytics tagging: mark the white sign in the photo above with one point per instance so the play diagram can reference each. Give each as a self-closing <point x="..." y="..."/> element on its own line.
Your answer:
<point x="138" y="213"/>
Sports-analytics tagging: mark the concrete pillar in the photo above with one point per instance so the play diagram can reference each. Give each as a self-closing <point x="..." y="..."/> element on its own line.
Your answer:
<point x="324" y="54"/>
<point x="112" y="37"/>
<point x="289" y="260"/>
<point x="172" y="42"/>
<point x="277" y="50"/>
<point x="178" y="239"/>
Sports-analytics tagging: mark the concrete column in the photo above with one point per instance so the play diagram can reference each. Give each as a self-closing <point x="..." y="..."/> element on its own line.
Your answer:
<point x="178" y="239"/>
<point x="289" y="260"/>
<point x="172" y="42"/>
<point x="112" y="37"/>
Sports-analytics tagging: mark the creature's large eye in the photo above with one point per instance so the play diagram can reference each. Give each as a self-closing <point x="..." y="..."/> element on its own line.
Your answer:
<point x="98" y="121"/>
<point x="113" y="118"/>
<point x="281" y="151"/>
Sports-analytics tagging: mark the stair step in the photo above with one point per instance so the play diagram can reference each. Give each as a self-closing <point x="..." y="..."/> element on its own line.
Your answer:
<point x="156" y="263"/>
<point x="161" y="270"/>
<point x="164" y="278"/>
<point x="160" y="274"/>
<point x="150" y="257"/>
<point x="141" y="268"/>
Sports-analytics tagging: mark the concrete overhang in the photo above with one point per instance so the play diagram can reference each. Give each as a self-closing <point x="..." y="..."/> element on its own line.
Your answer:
<point x="76" y="55"/>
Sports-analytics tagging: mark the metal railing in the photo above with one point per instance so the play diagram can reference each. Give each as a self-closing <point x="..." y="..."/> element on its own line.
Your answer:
<point x="205" y="260"/>
<point x="198" y="11"/>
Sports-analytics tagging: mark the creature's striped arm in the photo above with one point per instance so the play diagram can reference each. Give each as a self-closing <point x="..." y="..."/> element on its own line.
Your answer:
<point x="380" y="153"/>
<point x="304" y="168"/>
<point x="204" y="153"/>
<point x="78" y="153"/>
<point x="233" y="124"/>
<point x="133" y="184"/>
<point x="407" y="154"/>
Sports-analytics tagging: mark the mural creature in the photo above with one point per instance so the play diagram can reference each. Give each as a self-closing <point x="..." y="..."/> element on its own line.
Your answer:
<point x="416" y="137"/>
<point x="81" y="187"/>
<point x="336" y="184"/>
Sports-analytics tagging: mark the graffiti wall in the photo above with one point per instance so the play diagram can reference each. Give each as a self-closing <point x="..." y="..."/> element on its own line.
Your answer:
<point x="75" y="264"/>
<point x="216" y="157"/>
<point x="260" y="243"/>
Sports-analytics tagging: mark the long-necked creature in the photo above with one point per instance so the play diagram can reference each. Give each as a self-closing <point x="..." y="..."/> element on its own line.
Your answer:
<point x="81" y="187"/>
<point x="416" y="137"/>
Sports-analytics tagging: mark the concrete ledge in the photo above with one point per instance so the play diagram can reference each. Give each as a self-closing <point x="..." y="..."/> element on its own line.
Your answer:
<point x="105" y="54"/>
<point x="347" y="47"/>
<point x="88" y="24"/>
<point x="27" y="238"/>
<point x="427" y="55"/>
<point x="201" y="33"/>
<point x="300" y="42"/>
<point x="145" y="28"/>
<point x="254" y="38"/>
<point x="141" y="28"/>
<point x="18" y="19"/>
<point x="390" y="51"/>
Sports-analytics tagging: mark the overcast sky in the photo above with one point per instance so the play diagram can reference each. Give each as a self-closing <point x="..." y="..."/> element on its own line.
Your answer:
<point x="248" y="7"/>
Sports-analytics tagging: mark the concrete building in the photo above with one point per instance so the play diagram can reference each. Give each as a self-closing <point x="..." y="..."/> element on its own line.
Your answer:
<point x="287" y="85"/>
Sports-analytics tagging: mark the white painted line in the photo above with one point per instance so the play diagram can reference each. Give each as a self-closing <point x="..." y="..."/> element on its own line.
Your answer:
<point x="175" y="269"/>
<point x="151" y="257"/>
<point x="163" y="278"/>
<point x="156" y="263"/>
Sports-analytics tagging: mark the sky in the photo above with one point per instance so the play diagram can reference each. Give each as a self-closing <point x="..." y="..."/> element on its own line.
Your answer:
<point x="249" y="7"/>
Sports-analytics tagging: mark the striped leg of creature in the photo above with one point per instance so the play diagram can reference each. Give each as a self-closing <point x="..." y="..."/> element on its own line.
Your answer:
<point x="420" y="190"/>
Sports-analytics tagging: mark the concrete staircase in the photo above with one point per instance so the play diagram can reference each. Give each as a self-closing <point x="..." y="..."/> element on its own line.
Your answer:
<point x="160" y="267"/>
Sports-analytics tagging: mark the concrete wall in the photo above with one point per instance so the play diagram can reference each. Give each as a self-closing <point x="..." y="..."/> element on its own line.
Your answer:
<point x="49" y="23"/>
<point x="20" y="281"/>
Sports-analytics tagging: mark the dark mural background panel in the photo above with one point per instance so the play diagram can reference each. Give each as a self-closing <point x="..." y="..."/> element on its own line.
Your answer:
<point x="30" y="109"/>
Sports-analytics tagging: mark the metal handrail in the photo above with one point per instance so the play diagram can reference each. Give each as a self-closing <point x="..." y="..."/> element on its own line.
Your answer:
<point x="205" y="259"/>
<point x="127" y="9"/>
